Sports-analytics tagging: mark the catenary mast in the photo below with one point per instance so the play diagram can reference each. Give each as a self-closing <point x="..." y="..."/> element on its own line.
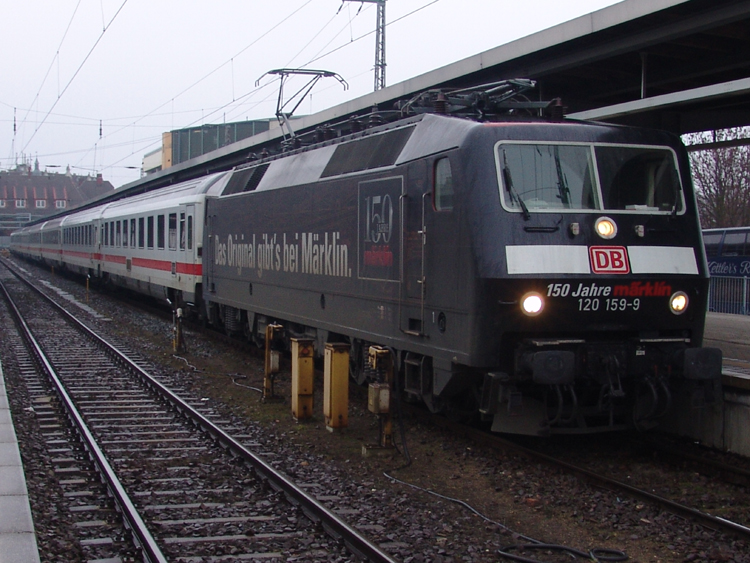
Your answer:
<point x="379" y="42"/>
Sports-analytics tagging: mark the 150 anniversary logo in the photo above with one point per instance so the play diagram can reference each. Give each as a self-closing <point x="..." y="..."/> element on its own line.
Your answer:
<point x="380" y="229"/>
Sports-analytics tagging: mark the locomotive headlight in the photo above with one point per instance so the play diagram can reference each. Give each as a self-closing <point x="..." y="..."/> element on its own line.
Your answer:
<point x="678" y="303"/>
<point x="605" y="228"/>
<point x="532" y="304"/>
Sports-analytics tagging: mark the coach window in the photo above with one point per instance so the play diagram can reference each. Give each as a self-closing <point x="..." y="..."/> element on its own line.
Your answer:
<point x="182" y="231"/>
<point x="173" y="231"/>
<point x="118" y="234"/>
<point x="734" y="244"/>
<point x="190" y="232"/>
<point x="141" y="232"/>
<point x="125" y="232"/>
<point x="132" y="233"/>
<point x="111" y="233"/>
<point x="160" y="231"/>
<point x="150" y="232"/>
<point x="443" y="185"/>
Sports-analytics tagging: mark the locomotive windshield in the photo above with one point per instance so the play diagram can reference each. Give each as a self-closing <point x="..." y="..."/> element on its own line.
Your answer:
<point x="578" y="177"/>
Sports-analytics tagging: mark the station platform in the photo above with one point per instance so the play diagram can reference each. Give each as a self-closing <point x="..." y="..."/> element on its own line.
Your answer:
<point x="731" y="333"/>
<point x="17" y="537"/>
<point x="722" y="423"/>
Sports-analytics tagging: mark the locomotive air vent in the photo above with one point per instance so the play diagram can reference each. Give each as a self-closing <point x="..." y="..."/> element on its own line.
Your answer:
<point x="245" y="180"/>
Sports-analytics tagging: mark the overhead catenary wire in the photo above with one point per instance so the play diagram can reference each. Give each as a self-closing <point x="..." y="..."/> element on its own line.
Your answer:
<point x="216" y="69"/>
<point x="317" y="57"/>
<point x="72" y="78"/>
<point x="238" y="105"/>
<point x="56" y="57"/>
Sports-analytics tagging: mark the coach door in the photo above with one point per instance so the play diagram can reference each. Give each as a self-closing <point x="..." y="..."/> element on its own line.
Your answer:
<point x="186" y="247"/>
<point x="416" y="208"/>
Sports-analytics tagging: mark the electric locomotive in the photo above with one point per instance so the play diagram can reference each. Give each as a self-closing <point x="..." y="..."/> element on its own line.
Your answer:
<point x="545" y="273"/>
<point x="548" y="274"/>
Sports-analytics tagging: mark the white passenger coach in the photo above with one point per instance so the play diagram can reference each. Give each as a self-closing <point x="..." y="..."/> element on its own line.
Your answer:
<point x="150" y="242"/>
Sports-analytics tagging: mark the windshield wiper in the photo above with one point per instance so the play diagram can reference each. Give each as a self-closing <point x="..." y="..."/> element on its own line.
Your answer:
<point x="511" y="190"/>
<point x="562" y="183"/>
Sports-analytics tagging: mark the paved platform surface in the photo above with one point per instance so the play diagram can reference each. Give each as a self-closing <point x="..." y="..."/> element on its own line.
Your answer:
<point x="731" y="333"/>
<point x="17" y="537"/>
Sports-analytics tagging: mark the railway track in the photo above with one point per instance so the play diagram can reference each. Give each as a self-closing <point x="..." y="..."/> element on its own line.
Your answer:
<point x="598" y="478"/>
<point x="182" y="488"/>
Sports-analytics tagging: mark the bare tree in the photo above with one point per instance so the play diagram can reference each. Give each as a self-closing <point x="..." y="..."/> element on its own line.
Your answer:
<point x="722" y="178"/>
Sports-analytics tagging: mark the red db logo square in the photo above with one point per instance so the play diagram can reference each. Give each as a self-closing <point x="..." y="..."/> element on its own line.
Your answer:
<point x="609" y="260"/>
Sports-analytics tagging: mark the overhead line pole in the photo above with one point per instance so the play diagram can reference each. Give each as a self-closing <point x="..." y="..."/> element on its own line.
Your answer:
<point x="379" y="42"/>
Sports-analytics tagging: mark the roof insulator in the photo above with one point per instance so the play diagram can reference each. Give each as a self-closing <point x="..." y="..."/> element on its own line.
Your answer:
<point x="441" y="104"/>
<point x="557" y="110"/>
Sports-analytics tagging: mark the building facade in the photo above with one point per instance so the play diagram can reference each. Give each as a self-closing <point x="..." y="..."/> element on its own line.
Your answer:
<point x="28" y="193"/>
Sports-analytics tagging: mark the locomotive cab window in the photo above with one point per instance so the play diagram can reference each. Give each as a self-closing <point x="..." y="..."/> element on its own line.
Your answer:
<point x="639" y="178"/>
<point x="443" y="192"/>
<point x="546" y="177"/>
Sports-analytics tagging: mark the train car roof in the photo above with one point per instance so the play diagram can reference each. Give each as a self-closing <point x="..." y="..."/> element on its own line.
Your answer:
<point x="186" y="192"/>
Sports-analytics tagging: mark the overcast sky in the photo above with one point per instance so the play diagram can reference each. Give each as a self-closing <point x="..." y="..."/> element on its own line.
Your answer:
<point x="143" y="67"/>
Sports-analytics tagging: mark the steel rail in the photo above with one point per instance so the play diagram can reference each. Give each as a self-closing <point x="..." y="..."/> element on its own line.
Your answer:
<point x="315" y="511"/>
<point x="141" y="534"/>
<point x="730" y="473"/>
<point x="707" y="520"/>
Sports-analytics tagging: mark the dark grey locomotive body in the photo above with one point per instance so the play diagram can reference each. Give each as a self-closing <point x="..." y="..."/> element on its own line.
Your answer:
<point x="472" y="250"/>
